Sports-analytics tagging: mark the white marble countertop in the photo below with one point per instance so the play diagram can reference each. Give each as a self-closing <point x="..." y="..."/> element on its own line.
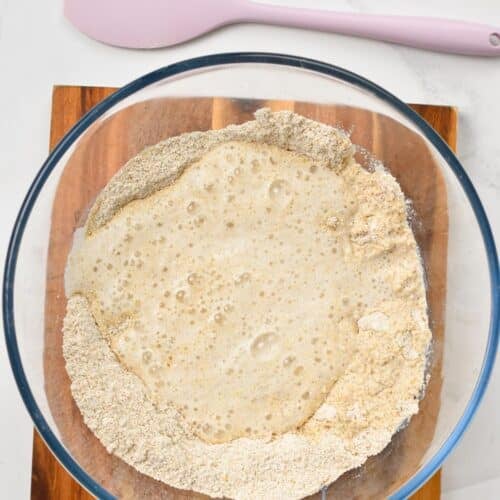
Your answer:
<point x="38" y="49"/>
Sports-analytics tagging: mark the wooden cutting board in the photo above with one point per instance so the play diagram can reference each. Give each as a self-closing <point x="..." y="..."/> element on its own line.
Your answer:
<point x="123" y="135"/>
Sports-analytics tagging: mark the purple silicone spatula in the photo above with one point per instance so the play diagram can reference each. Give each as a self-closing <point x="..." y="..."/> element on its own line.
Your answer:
<point x="159" y="23"/>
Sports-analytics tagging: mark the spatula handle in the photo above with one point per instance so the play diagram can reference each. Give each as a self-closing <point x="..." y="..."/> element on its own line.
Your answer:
<point x="423" y="32"/>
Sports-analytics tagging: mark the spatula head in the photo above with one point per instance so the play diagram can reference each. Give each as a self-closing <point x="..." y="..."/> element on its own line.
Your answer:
<point x="147" y="23"/>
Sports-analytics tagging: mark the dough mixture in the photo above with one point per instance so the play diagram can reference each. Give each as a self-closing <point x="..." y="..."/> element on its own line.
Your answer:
<point x="246" y="310"/>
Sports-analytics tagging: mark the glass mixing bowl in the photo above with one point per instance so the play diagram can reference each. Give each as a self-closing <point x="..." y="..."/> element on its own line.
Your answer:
<point x="462" y="274"/>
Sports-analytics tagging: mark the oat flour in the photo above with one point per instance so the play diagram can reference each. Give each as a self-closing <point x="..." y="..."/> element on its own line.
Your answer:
<point x="246" y="310"/>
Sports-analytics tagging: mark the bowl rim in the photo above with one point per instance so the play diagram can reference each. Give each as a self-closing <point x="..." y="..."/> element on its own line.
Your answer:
<point x="226" y="59"/>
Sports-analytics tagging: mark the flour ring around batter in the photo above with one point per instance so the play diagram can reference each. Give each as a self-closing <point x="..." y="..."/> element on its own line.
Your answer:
<point x="246" y="310"/>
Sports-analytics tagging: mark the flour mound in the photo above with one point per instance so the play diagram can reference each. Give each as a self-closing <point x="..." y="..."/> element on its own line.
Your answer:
<point x="246" y="310"/>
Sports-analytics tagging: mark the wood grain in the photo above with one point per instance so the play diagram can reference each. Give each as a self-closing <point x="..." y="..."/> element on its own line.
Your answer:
<point x="106" y="146"/>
